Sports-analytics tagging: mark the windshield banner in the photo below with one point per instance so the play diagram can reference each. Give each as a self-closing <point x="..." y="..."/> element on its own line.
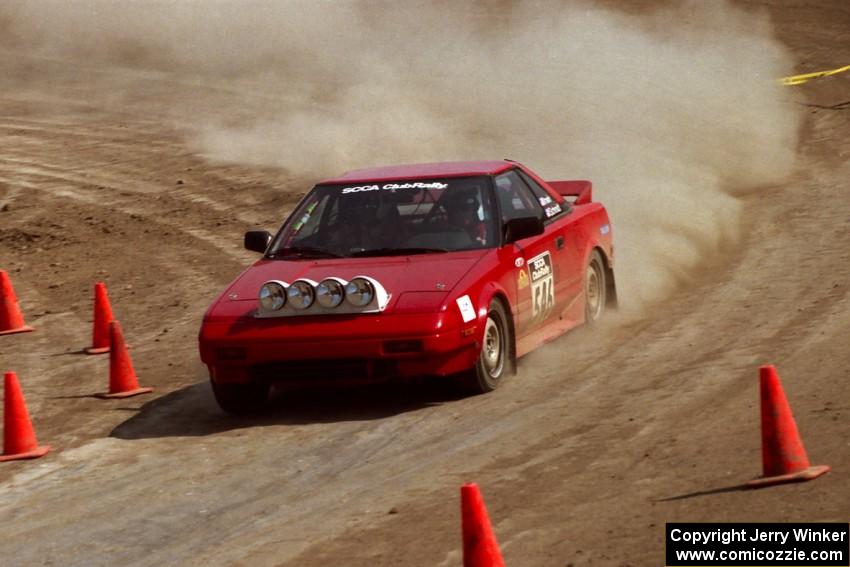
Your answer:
<point x="394" y="186"/>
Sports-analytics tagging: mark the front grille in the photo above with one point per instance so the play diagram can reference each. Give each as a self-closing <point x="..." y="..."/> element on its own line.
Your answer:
<point x="403" y="346"/>
<point x="324" y="370"/>
<point x="231" y="353"/>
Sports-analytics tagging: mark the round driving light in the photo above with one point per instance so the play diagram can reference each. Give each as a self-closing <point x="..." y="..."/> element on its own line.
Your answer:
<point x="272" y="296"/>
<point x="301" y="294"/>
<point x="359" y="292"/>
<point x="329" y="293"/>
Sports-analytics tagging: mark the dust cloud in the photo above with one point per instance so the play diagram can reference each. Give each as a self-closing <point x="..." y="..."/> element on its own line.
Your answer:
<point x="674" y="113"/>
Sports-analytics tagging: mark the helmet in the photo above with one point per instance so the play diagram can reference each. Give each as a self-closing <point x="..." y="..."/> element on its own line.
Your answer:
<point x="462" y="207"/>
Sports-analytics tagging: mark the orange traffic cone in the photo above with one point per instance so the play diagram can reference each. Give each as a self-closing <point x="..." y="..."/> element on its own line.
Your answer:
<point x="480" y="548"/>
<point x="18" y="435"/>
<point x="102" y="317"/>
<point x="122" y="378"/>
<point x="784" y="458"/>
<point x="11" y="320"/>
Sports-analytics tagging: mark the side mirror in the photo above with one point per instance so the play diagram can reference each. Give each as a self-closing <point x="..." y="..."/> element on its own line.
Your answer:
<point x="524" y="227"/>
<point x="257" y="240"/>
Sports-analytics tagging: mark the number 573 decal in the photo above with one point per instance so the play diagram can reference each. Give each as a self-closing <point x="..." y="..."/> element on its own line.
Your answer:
<point x="542" y="287"/>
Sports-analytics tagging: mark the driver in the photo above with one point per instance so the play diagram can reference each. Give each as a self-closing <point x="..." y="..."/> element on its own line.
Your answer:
<point x="462" y="210"/>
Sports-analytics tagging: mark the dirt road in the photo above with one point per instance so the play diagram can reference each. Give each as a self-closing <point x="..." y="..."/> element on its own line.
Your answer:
<point x="603" y="437"/>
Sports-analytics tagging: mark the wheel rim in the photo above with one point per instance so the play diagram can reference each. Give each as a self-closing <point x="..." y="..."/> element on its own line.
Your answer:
<point x="492" y="355"/>
<point x="593" y="291"/>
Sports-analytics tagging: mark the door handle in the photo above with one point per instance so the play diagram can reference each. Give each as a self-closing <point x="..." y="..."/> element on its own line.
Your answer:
<point x="559" y="242"/>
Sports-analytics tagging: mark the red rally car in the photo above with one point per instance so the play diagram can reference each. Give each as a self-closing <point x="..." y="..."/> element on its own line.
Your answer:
<point x="449" y="269"/>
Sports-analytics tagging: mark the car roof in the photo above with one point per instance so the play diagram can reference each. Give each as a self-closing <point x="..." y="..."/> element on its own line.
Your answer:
<point x="422" y="171"/>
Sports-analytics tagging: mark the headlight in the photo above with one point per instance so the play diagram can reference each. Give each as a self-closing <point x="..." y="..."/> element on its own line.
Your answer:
<point x="301" y="294"/>
<point x="272" y="296"/>
<point x="359" y="292"/>
<point x="330" y="293"/>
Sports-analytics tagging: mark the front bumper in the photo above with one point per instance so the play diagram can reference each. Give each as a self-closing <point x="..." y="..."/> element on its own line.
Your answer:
<point x="314" y="349"/>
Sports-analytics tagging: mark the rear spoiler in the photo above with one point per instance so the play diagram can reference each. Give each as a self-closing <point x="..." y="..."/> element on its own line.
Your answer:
<point x="582" y="190"/>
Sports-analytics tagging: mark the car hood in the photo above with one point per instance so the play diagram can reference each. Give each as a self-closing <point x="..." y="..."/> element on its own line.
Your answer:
<point x="398" y="274"/>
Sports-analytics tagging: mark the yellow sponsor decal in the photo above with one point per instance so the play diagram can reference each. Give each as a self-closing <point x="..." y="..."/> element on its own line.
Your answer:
<point x="800" y="79"/>
<point x="522" y="280"/>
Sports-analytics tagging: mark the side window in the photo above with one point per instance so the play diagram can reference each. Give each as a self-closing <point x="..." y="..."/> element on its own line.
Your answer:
<point x="515" y="198"/>
<point x="551" y="208"/>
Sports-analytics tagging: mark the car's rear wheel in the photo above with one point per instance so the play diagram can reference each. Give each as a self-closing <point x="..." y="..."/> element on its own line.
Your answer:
<point x="495" y="360"/>
<point x="241" y="399"/>
<point x="595" y="289"/>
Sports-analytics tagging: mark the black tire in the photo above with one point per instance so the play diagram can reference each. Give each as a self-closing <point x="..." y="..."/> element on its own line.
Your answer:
<point x="595" y="289"/>
<point x="241" y="399"/>
<point x="496" y="358"/>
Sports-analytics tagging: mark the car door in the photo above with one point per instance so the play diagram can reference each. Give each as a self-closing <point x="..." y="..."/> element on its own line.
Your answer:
<point x="535" y="258"/>
<point x="568" y="250"/>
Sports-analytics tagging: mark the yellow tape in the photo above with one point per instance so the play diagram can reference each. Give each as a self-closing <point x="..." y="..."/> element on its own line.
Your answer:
<point x="800" y="79"/>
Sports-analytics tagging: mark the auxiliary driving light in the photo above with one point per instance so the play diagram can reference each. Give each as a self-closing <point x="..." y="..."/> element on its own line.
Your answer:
<point x="359" y="292"/>
<point x="330" y="293"/>
<point x="301" y="294"/>
<point x="273" y="295"/>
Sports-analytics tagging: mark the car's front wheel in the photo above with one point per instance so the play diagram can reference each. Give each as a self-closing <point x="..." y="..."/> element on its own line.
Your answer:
<point x="495" y="360"/>
<point x="241" y="399"/>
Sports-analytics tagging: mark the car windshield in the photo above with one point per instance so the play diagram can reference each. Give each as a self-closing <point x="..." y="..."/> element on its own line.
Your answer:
<point x="390" y="218"/>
